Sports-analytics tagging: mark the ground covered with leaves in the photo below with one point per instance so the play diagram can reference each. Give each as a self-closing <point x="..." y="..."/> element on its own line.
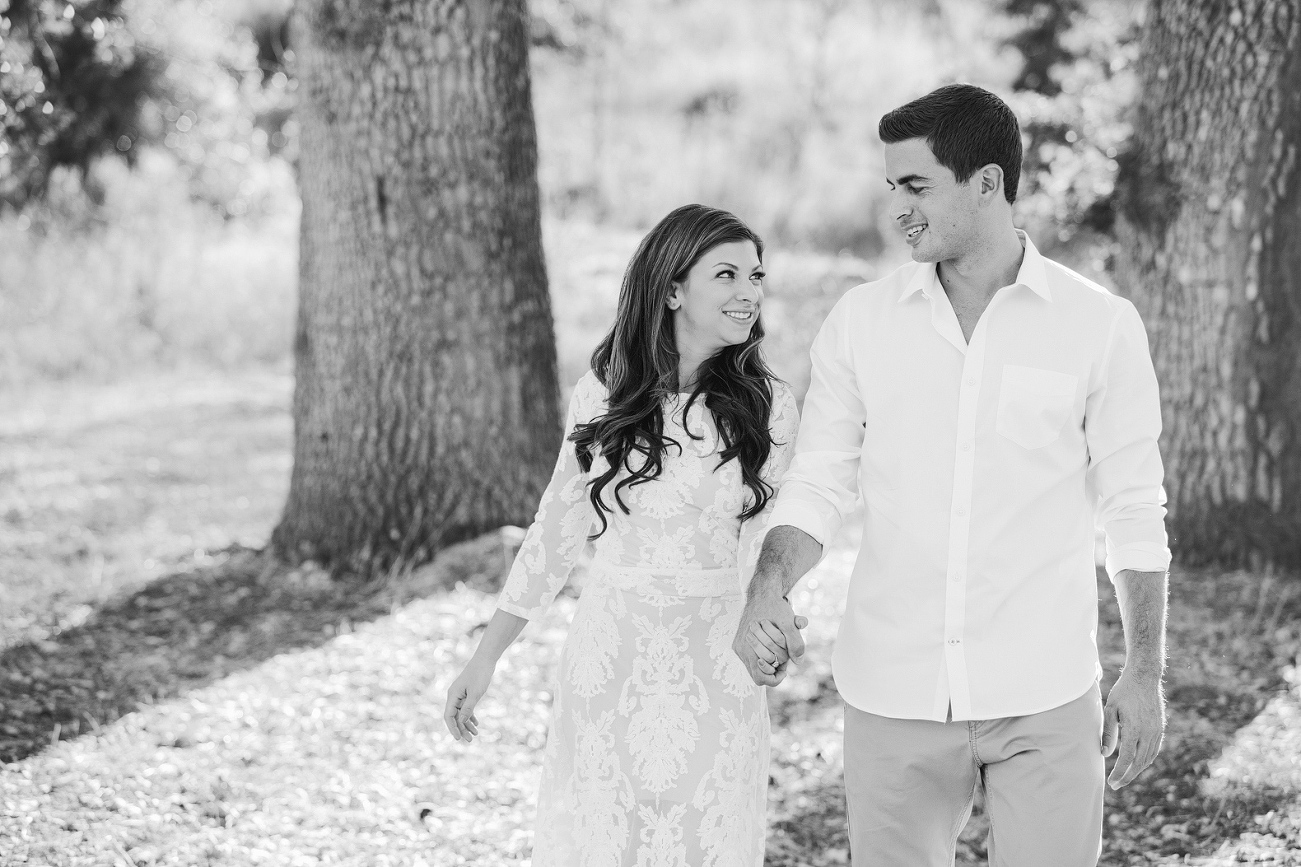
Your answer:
<point x="221" y="709"/>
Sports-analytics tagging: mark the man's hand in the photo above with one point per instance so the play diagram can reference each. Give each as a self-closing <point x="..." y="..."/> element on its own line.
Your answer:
<point x="1135" y="715"/>
<point x="1134" y="720"/>
<point x="768" y="637"/>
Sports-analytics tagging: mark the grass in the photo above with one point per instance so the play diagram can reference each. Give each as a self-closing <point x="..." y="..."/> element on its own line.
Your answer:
<point x="162" y="706"/>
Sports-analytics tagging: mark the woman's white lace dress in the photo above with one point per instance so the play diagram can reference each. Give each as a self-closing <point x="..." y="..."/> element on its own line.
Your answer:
<point x="657" y="753"/>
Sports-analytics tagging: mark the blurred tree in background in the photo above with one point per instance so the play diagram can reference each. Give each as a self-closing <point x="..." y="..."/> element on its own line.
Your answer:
<point x="74" y="85"/>
<point x="1210" y="213"/>
<point x="425" y="402"/>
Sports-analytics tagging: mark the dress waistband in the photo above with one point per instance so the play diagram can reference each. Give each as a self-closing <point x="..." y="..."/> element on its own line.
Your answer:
<point x="668" y="581"/>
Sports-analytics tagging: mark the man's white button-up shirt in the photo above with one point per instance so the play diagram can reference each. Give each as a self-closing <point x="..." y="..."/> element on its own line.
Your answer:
<point x="983" y="469"/>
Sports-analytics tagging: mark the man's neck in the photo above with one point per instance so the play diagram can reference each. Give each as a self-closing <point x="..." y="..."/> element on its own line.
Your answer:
<point x="977" y="275"/>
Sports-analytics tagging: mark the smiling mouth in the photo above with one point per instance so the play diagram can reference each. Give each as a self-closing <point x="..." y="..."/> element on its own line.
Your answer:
<point x="741" y="315"/>
<point x="912" y="233"/>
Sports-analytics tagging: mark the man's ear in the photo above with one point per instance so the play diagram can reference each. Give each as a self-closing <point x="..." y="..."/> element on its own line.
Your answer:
<point x="991" y="181"/>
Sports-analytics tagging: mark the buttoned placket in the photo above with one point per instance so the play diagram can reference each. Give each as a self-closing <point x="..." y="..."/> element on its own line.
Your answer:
<point x="958" y="697"/>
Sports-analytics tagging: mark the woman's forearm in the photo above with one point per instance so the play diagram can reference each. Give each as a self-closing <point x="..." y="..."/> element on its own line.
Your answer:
<point x="500" y="633"/>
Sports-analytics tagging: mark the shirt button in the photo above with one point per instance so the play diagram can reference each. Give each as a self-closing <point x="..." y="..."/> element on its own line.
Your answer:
<point x="971" y="380"/>
<point x="966" y="447"/>
<point x="955" y="641"/>
<point x="961" y="512"/>
<point x="957" y="576"/>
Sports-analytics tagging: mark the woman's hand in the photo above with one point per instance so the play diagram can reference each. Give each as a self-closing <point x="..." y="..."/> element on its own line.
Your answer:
<point x="462" y="696"/>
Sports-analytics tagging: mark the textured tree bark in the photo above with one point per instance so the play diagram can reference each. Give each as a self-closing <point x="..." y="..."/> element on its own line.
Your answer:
<point x="426" y="407"/>
<point x="1210" y="230"/>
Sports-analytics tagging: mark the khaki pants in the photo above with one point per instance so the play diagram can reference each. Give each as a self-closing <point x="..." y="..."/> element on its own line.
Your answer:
<point x="910" y="784"/>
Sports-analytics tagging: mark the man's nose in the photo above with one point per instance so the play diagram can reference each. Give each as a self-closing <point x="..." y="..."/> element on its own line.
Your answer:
<point x="900" y="207"/>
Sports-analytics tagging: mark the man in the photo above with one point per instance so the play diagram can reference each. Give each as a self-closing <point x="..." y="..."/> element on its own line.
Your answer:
<point x="988" y="406"/>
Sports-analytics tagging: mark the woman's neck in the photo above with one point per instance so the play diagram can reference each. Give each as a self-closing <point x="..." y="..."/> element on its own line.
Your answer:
<point x="688" y="367"/>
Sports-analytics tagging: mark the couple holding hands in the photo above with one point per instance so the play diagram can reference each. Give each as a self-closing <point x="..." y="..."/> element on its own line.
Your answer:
<point x="988" y="406"/>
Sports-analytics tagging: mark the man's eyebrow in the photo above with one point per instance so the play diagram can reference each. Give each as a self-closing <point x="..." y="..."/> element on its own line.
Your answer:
<point x="907" y="179"/>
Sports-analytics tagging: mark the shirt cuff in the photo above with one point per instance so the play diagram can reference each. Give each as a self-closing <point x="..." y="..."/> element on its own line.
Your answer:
<point x="1138" y="556"/>
<point x="801" y="516"/>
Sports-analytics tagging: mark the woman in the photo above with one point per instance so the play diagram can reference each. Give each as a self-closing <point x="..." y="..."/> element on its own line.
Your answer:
<point x="675" y="442"/>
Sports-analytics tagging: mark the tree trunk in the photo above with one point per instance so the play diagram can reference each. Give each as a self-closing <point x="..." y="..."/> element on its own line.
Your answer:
<point x="1210" y="227"/>
<point x="426" y="408"/>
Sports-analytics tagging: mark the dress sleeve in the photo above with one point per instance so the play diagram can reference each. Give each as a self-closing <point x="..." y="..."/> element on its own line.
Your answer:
<point x="563" y="521"/>
<point x="784" y="424"/>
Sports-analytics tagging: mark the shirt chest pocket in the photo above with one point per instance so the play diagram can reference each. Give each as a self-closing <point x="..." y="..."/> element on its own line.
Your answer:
<point x="1034" y="404"/>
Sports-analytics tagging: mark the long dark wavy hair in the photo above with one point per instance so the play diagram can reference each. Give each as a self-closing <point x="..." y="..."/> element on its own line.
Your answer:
<point x="637" y="362"/>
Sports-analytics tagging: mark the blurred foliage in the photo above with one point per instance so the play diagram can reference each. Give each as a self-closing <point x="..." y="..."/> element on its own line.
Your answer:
<point x="73" y="85"/>
<point x="1072" y="94"/>
<point x="84" y="80"/>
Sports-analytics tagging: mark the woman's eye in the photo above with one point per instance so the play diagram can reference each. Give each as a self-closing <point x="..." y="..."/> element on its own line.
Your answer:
<point x="758" y="276"/>
<point x="727" y="272"/>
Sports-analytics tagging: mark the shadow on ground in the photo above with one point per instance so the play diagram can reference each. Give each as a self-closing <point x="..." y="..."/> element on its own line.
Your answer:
<point x="195" y="626"/>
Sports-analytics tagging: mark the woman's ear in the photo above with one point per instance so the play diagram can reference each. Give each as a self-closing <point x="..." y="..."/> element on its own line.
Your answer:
<point x="674" y="300"/>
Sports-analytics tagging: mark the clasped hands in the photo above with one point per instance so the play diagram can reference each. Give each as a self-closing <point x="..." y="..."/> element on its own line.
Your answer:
<point x="768" y="638"/>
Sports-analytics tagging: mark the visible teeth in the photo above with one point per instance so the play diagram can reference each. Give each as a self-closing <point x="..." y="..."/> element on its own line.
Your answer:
<point x="915" y="231"/>
<point x="741" y="316"/>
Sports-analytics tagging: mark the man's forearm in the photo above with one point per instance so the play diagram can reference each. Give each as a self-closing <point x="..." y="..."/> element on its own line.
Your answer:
<point x="1142" y="600"/>
<point x="787" y="554"/>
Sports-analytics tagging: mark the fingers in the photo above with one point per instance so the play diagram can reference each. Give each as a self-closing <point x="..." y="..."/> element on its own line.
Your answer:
<point x="1110" y="724"/>
<point x="1125" y="769"/>
<point x="794" y="641"/>
<point x="455" y="697"/>
<point x="759" y="670"/>
<point x="764" y="647"/>
<point x="773" y="642"/>
<point x="1134" y="758"/>
<point x="458" y="713"/>
<point x="769" y="636"/>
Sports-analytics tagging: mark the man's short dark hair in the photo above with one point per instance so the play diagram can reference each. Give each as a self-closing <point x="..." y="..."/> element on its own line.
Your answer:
<point x="966" y="127"/>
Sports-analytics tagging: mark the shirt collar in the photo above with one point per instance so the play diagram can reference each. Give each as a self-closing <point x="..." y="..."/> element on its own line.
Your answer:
<point x="1033" y="274"/>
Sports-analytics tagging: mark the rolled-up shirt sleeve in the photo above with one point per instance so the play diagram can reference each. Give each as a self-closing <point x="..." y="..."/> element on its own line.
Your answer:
<point x="1122" y="426"/>
<point x="821" y="487"/>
